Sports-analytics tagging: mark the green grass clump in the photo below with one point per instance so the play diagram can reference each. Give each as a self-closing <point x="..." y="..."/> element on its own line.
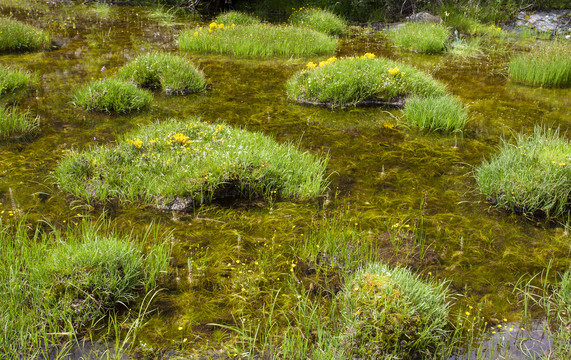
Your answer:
<point x="55" y="284"/>
<point x="435" y="112"/>
<point x="531" y="176"/>
<point x="112" y="95"/>
<point x="237" y="18"/>
<point x="12" y="80"/>
<point x="392" y="313"/>
<point x="320" y="20"/>
<point x="14" y="124"/>
<point x="16" y="36"/>
<point x="256" y="40"/>
<point x="191" y="162"/>
<point x="421" y="37"/>
<point x="547" y="65"/>
<point x="174" y="74"/>
<point x="355" y="80"/>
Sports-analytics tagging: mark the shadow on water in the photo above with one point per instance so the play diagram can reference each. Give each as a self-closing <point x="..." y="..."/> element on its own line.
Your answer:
<point x="380" y="169"/>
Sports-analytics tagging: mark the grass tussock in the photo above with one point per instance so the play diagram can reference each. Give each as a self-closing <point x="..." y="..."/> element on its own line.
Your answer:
<point x="236" y="18"/>
<point x="546" y="65"/>
<point x="392" y="313"/>
<point x="14" y="124"/>
<point x="435" y="112"/>
<point x="17" y="36"/>
<point x="112" y="95"/>
<point x="13" y="80"/>
<point x="530" y="176"/>
<point x="192" y="162"/>
<point x="55" y="284"/>
<point x="256" y="40"/>
<point x="421" y="37"/>
<point x="355" y="80"/>
<point x="318" y="19"/>
<point x="174" y="74"/>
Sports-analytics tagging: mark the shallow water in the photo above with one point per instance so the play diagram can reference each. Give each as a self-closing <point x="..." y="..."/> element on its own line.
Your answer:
<point x="381" y="170"/>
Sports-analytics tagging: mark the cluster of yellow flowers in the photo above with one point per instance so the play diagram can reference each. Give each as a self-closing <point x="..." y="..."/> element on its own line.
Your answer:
<point x="178" y="138"/>
<point x="495" y="28"/>
<point x="394" y="71"/>
<point x="312" y="65"/>
<point x="136" y="142"/>
<point x="213" y="27"/>
<point x="367" y="56"/>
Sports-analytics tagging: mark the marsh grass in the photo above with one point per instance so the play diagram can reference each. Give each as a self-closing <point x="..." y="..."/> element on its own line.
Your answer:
<point x="17" y="36"/>
<point x="466" y="48"/>
<point x="444" y="113"/>
<point x="318" y="19"/>
<point x="532" y="175"/>
<point x="365" y="79"/>
<point x="392" y="312"/>
<point x="102" y="10"/>
<point x="546" y="65"/>
<point x="58" y="283"/>
<point x="421" y="37"/>
<point x="111" y="95"/>
<point x="12" y="80"/>
<point x="174" y="74"/>
<point x="192" y="162"/>
<point x="14" y="124"/>
<point x="237" y="18"/>
<point x="256" y="40"/>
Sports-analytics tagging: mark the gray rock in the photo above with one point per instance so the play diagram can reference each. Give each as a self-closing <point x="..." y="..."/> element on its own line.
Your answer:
<point x="425" y="16"/>
<point x="554" y="20"/>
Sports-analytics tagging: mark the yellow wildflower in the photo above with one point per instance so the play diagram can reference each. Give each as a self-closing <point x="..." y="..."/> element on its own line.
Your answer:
<point x="196" y="33"/>
<point x="213" y="25"/>
<point x="368" y="56"/>
<point x="311" y="65"/>
<point x="393" y="71"/>
<point x="221" y="26"/>
<point x="180" y="139"/>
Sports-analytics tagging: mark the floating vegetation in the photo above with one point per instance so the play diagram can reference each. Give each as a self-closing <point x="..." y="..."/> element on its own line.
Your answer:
<point x="435" y="112"/>
<point x="174" y="74"/>
<point x="55" y="284"/>
<point x="421" y="37"/>
<point x="392" y="313"/>
<point x="12" y="80"/>
<point x="318" y="19"/>
<point x="546" y="65"/>
<point x="17" y="36"/>
<point x="364" y="80"/>
<point x="112" y="95"/>
<point x="178" y="164"/>
<point x="256" y="40"/>
<point x="236" y="18"/>
<point x="14" y="124"/>
<point x="532" y="176"/>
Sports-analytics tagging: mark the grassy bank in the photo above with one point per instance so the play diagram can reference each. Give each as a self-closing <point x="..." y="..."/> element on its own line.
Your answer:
<point x="17" y="36"/>
<point x="435" y="112"/>
<point x="256" y="40"/>
<point x="421" y="37"/>
<point x="546" y="65"/>
<point x="173" y="74"/>
<point x="56" y="284"/>
<point x="185" y="163"/>
<point x="15" y="124"/>
<point x="318" y="19"/>
<point x="359" y="80"/>
<point x="13" y="80"/>
<point x="111" y="95"/>
<point x="532" y="175"/>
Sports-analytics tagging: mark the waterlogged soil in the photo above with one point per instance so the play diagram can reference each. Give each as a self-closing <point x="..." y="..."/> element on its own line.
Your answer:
<point x="232" y="258"/>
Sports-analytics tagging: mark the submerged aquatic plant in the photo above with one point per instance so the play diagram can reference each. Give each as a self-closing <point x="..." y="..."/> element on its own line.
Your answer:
<point x="392" y="313"/>
<point x="546" y="65"/>
<point x="56" y="284"/>
<point x="256" y="40"/>
<point x="18" y="36"/>
<point x="421" y="37"/>
<point x="360" y="80"/>
<point x="435" y="112"/>
<point x="174" y="74"/>
<point x="112" y="95"/>
<point x="177" y="164"/>
<point x="318" y="19"/>
<point x="14" y="124"/>
<point x="531" y="176"/>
